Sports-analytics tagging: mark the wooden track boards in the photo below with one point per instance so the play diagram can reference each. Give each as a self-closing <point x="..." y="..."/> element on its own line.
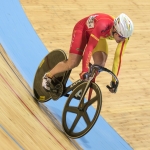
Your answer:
<point x="23" y="123"/>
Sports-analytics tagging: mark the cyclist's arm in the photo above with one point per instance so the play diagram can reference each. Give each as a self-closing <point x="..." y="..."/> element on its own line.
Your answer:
<point x="118" y="57"/>
<point x="93" y="40"/>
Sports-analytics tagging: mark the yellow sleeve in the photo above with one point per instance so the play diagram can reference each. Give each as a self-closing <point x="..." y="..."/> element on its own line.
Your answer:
<point x="118" y="57"/>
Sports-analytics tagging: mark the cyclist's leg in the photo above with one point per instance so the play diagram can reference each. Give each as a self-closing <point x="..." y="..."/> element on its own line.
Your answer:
<point x="100" y="53"/>
<point x="72" y="62"/>
<point x="78" y="44"/>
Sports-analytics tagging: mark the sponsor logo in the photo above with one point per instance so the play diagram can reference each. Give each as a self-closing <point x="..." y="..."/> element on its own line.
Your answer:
<point x="106" y="29"/>
<point x="90" y="21"/>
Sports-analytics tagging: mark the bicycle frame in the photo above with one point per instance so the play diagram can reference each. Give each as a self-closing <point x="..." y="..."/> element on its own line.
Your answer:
<point x="92" y="71"/>
<point x="71" y="87"/>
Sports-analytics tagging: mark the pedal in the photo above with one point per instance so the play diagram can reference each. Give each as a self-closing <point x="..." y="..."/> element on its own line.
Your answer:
<point x="57" y="91"/>
<point x="58" y="86"/>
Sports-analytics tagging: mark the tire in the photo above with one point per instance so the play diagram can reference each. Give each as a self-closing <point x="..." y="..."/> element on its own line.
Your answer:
<point x="74" y="119"/>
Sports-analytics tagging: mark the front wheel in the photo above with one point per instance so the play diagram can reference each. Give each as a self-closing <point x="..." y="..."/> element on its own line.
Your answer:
<point x="78" y="121"/>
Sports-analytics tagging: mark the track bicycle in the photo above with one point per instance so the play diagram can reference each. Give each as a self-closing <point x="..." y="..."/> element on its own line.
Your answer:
<point x="79" y="115"/>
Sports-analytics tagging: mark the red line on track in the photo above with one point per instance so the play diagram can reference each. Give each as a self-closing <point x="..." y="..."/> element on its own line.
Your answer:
<point x="32" y="112"/>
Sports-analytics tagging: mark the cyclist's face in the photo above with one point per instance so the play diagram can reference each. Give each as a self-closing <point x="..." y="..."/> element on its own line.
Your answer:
<point x="117" y="37"/>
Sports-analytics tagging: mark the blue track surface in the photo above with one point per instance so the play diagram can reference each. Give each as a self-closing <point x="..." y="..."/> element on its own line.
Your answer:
<point x="26" y="50"/>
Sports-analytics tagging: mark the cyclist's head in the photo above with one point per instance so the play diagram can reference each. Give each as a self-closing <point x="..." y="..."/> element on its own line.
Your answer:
<point x="124" y="25"/>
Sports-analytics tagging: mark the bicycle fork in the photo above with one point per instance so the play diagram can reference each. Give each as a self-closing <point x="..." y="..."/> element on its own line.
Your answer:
<point x="81" y="104"/>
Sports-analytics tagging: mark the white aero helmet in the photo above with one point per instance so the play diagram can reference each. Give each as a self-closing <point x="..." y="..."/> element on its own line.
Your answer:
<point x="124" y="25"/>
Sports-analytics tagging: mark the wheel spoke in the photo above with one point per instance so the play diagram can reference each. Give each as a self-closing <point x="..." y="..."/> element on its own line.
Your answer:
<point x="86" y="118"/>
<point x="75" y="122"/>
<point x="90" y="102"/>
<point x="72" y="109"/>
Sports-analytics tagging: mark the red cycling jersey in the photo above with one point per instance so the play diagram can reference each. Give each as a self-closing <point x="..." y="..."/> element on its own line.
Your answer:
<point x="87" y="33"/>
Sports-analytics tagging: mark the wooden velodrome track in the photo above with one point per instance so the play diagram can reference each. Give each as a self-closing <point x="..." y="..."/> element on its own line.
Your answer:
<point x="128" y="111"/>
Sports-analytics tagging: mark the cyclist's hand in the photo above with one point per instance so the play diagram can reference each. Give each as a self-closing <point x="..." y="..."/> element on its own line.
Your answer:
<point x="46" y="83"/>
<point x="84" y="75"/>
<point x="113" y="87"/>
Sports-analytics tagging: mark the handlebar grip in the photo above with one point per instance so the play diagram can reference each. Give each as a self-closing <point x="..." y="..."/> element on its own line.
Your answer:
<point x="115" y="89"/>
